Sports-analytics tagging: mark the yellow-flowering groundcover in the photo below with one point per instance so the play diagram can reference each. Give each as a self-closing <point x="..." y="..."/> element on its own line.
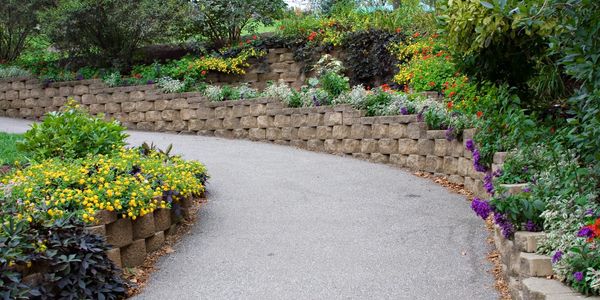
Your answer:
<point x="129" y="182"/>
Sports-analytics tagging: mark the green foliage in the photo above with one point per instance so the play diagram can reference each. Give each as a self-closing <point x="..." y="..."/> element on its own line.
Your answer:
<point x="520" y="209"/>
<point x="76" y="265"/>
<point x="334" y="84"/>
<point x="72" y="133"/>
<point x="13" y="71"/>
<point x="108" y="32"/>
<point x="501" y="41"/>
<point x="222" y="21"/>
<point x="8" y="149"/>
<point x="18" y="21"/>
<point x="523" y="164"/>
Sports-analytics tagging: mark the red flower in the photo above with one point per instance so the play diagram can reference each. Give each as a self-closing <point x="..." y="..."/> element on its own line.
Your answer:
<point x="385" y="87"/>
<point x="552" y="130"/>
<point x="137" y="75"/>
<point x="281" y="27"/>
<point x="416" y="35"/>
<point x="254" y="37"/>
<point x="398" y="30"/>
<point x="479" y="114"/>
<point x="440" y="53"/>
<point x="452" y="94"/>
<point x="435" y="35"/>
<point x="450" y="105"/>
<point x="203" y="72"/>
<point x="312" y="36"/>
<point x="241" y="43"/>
<point x="431" y="84"/>
<point x="406" y="89"/>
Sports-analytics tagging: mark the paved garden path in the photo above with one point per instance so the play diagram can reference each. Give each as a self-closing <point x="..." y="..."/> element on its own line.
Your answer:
<point x="283" y="223"/>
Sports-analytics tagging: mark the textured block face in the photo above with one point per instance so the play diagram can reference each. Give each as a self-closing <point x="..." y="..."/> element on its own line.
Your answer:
<point x="119" y="233"/>
<point x="162" y="219"/>
<point x="379" y="131"/>
<point x="388" y="146"/>
<point x="341" y="132"/>
<point x="324" y="132"/>
<point x="155" y="241"/>
<point x="351" y="146"/>
<point x="369" y="146"/>
<point x="397" y="131"/>
<point x="407" y="146"/>
<point x="134" y="254"/>
<point x="143" y="227"/>
<point x="333" y="118"/>
<point x="114" y="255"/>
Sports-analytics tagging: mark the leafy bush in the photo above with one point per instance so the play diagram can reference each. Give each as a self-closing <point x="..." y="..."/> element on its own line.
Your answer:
<point x="108" y="32"/>
<point x="18" y="20"/>
<point x="8" y="149"/>
<point x="13" y="71"/>
<point x="214" y="93"/>
<point x="334" y="84"/>
<point x="73" y="263"/>
<point x="223" y="21"/>
<point x="72" y="133"/>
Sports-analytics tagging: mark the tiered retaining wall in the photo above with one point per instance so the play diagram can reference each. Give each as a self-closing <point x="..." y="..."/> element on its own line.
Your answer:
<point x="398" y="140"/>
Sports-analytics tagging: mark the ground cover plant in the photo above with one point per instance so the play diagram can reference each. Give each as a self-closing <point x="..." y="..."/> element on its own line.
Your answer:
<point x="9" y="155"/>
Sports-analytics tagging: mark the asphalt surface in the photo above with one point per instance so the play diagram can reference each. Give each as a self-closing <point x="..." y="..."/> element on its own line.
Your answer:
<point x="283" y="223"/>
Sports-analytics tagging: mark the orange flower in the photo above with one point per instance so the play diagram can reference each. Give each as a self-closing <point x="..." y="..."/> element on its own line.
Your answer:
<point x="431" y="84"/>
<point x="312" y="36"/>
<point x="435" y="35"/>
<point x="479" y="114"/>
<point x="281" y="27"/>
<point x="450" y="104"/>
<point x="452" y="94"/>
<point x="398" y="30"/>
<point x="385" y="87"/>
<point x="416" y="35"/>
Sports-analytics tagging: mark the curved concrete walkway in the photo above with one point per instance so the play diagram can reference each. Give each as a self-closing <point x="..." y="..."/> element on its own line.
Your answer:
<point x="283" y="223"/>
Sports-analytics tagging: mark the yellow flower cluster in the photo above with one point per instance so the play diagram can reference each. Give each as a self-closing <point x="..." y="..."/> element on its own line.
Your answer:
<point x="130" y="183"/>
<point x="231" y="65"/>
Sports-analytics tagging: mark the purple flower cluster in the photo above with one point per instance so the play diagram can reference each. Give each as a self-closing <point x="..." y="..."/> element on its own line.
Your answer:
<point x="470" y="145"/>
<point x="585" y="232"/>
<point x="404" y="110"/>
<point x="531" y="226"/>
<point x="481" y="207"/>
<point x="505" y="225"/>
<point x="578" y="276"/>
<point x="557" y="256"/>
<point x="488" y="184"/>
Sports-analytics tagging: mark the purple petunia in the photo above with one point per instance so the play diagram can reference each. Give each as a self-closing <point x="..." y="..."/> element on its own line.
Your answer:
<point x="481" y="208"/>
<point x="557" y="256"/>
<point x="578" y="276"/>
<point x="404" y="110"/>
<point x="470" y="145"/>
<point x="526" y="190"/>
<point x="585" y="232"/>
<point x="497" y="173"/>
<point x="530" y="226"/>
<point x="488" y="184"/>
<point x="505" y="225"/>
<point x="476" y="161"/>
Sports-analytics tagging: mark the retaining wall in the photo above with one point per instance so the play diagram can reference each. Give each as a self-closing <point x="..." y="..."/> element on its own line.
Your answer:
<point x="399" y="140"/>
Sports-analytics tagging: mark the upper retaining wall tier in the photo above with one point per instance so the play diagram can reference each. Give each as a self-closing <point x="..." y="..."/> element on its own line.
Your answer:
<point x="397" y="140"/>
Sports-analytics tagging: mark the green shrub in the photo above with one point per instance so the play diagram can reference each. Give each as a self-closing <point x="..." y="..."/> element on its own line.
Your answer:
<point x="13" y="71"/>
<point x="222" y="21"/>
<point x="72" y="133"/>
<point x="8" y="149"/>
<point x="108" y="32"/>
<point x="18" y="21"/>
<point x="334" y="84"/>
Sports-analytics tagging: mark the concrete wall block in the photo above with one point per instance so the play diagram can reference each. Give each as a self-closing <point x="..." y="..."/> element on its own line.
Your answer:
<point x="526" y="241"/>
<point x="118" y="97"/>
<point x="417" y="130"/>
<point x="415" y="162"/>
<point x="434" y="164"/>
<point x="170" y="115"/>
<point x="258" y="109"/>
<point x="81" y="90"/>
<point x="143" y="226"/>
<point x="300" y="120"/>
<point x="137" y="96"/>
<point x="457" y="179"/>
<point x="188" y="114"/>
<point x="324" y="132"/>
<point x="450" y="165"/>
<point x="315" y="119"/>
<point x="407" y="146"/>
<point x="397" y="131"/>
<point x="203" y="113"/>
<point x="222" y="112"/>
<point x="315" y="145"/>
<point x="56" y="101"/>
<point x="535" y="265"/>
<point x="333" y="118"/>
<point x="196" y="125"/>
<point x="64" y="91"/>
<point x="161" y="104"/>
<point x="178" y="104"/>
<point x="162" y="219"/>
<point x="128" y="106"/>
<point x="289" y="133"/>
<point x="282" y="121"/>
<point x="398" y="159"/>
<point x="341" y="132"/>
<point x="155" y="241"/>
<point x="441" y="147"/>
<point x="114" y="255"/>
<point x="213" y="124"/>
<point x="388" y="146"/>
<point x="464" y="165"/>
<point x="307" y="133"/>
<point x="231" y="123"/>
<point x="147" y="126"/>
<point x="224" y="133"/>
<point x="333" y="146"/>
<point x="264" y="121"/>
<point x="369" y="146"/>
<point x="360" y="131"/>
<point x="299" y="144"/>
<point x="241" y="110"/>
<point x="257" y="134"/>
<point x="350" y="146"/>
<point x="273" y="134"/>
<point x="379" y="131"/>
<point x="177" y="126"/>
<point x="134" y="254"/>
<point x="425" y="146"/>
<point x="119" y="233"/>
<point x="249" y="122"/>
<point x="240" y="133"/>
<point x="143" y="105"/>
<point x="379" y="158"/>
